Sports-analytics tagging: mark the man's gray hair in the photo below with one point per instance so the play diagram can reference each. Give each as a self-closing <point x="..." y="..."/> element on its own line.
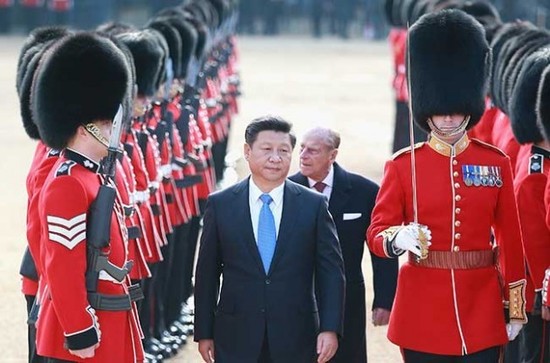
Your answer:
<point x="329" y="136"/>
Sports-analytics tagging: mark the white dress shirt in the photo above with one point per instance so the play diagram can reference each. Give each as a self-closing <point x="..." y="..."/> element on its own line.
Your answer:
<point x="329" y="181"/>
<point x="256" y="204"/>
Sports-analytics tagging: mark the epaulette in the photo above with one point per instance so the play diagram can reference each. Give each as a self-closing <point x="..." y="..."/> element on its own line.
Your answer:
<point x="536" y="163"/>
<point x="65" y="168"/>
<point x="488" y="146"/>
<point x="407" y="149"/>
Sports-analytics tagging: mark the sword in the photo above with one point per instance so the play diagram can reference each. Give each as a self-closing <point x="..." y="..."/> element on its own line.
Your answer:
<point x="423" y="241"/>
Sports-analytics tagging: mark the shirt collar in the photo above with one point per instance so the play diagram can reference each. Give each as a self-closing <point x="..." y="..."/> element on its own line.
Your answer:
<point x="83" y="160"/>
<point x="446" y="149"/>
<point x="276" y="193"/>
<point x="328" y="181"/>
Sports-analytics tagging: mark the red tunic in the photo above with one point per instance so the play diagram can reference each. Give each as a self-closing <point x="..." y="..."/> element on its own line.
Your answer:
<point x="42" y="163"/>
<point x="66" y="319"/>
<point x="448" y="311"/>
<point x="141" y="197"/>
<point x="398" y="41"/>
<point x="529" y="185"/>
<point x="483" y="130"/>
<point x="503" y="137"/>
<point x="137" y="246"/>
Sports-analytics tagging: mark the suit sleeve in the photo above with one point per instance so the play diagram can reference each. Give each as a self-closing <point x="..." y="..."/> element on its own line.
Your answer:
<point x="388" y="214"/>
<point x="65" y="209"/>
<point x="207" y="280"/>
<point x="508" y="238"/>
<point x="329" y="273"/>
<point x="384" y="270"/>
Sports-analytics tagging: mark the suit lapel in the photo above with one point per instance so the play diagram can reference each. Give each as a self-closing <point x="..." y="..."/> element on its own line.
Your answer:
<point x="341" y="191"/>
<point x="242" y="210"/>
<point x="291" y="206"/>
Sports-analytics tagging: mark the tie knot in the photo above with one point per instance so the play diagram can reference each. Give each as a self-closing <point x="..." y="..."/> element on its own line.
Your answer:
<point x="266" y="198"/>
<point x="319" y="186"/>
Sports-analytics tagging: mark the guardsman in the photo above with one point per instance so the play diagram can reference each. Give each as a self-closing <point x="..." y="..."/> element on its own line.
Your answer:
<point x="43" y="160"/>
<point x="536" y="232"/>
<point x="529" y="184"/>
<point x="86" y="300"/>
<point x="449" y="301"/>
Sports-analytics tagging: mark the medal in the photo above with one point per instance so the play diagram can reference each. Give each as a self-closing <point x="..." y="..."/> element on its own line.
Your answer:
<point x="477" y="180"/>
<point x="466" y="175"/>
<point x="498" y="181"/>
<point x="484" y="175"/>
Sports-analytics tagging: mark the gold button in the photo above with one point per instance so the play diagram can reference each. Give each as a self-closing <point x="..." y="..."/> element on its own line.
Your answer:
<point x="455" y="162"/>
<point x="457" y="224"/>
<point x="456" y="248"/>
<point x="457" y="211"/>
<point x="457" y="235"/>
<point x="457" y="198"/>
<point x="455" y="174"/>
<point x="457" y="185"/>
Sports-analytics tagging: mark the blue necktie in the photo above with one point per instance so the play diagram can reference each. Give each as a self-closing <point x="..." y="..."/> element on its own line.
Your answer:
<point x="267" y="235"/>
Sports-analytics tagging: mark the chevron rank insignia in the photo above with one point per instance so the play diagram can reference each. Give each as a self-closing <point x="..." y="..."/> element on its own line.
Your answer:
<point x="68" y="232"/>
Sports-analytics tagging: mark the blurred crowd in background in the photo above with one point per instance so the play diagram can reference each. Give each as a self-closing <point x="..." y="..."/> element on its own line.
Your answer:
<point x="340" y="18"/>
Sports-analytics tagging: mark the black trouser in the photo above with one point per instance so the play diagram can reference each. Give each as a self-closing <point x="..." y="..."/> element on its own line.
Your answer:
<point x="190" y="261"/>
<point x="146" y="306"/>
<point x="534" y="340"/>
<point x="31" y="334"/>
<point x="159" y="286"/>
<point x="490" y="355"/>
<point x="511" y="351"/>
<point x="218" y="157"/>
<point x="175" y="284"/>
<point x="55" y="360"/>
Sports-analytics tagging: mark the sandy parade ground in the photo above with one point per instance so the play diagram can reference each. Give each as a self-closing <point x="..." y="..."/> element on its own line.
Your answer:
<point x="344" y="85"/>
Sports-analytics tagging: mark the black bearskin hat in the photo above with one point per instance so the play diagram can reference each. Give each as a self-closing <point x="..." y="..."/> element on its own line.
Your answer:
<point x="449" y="60"/>
<point x="147" y="57"/>
<point x="33" y="43"/>
<point x="523" y="103"/>
<point x="173" y="39"/>
<point x="543" y="104"/>
<point x="83" y="78"/>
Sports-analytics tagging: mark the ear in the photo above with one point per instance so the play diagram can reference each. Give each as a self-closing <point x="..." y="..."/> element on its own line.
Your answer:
<point x="246" y="151"/>
<point x="333" y="155"/>
<point x="81" y="131"/>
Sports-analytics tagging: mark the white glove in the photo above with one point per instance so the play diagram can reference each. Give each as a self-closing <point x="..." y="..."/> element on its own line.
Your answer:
<point x="513" y="329"/>
<point x="407" y="238"/>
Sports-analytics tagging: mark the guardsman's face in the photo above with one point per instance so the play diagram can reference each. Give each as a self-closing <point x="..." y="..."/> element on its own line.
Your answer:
<point x="316" y="157"/>
<point x="447" y="123"/>
<point x="269" y="157"/>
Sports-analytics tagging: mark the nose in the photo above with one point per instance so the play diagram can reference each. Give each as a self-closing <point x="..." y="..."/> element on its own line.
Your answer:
<point x="275" y="157"/>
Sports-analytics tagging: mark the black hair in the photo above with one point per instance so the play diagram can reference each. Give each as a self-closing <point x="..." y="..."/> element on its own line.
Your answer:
<point x="268" y="123"/>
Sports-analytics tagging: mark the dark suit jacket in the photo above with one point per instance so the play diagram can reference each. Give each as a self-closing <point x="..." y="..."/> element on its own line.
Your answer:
<point x="282" y="305"/>
<point x="352" y="195"/>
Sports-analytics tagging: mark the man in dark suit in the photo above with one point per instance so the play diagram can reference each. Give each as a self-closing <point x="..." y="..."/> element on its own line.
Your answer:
<point x="351" y="200"/>
<point x="275" y="245"/>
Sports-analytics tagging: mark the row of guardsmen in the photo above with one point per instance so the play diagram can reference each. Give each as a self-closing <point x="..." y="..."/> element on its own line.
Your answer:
<point x="131" y="129"/>
<point x="516" y="120"/>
